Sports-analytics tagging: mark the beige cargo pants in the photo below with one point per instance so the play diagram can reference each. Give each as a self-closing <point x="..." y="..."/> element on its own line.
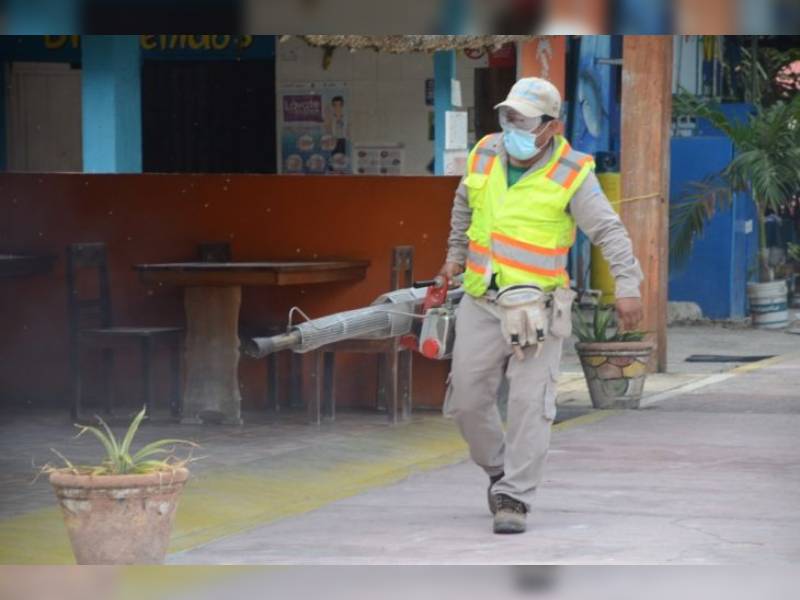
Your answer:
<point x="480" y="358"/>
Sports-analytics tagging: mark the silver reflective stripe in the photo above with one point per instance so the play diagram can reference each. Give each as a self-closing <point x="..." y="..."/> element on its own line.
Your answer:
<point x="482" y="260"/>
<point x="567" y="165"/>
<point x="485" y="156"/>
<point x="554" y="262"/>
<point x="561" y="174"/>
<point x="571" y="164"/>
<point x="482" y="164"/>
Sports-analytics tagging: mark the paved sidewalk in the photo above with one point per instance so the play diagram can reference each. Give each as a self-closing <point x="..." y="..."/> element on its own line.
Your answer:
<point x="278" y="472"/>
<point x="705" y="476"/>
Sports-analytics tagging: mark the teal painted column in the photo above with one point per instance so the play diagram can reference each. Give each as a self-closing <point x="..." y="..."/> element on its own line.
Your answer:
<point x="452" y="21"/>
<point x="444" y="71"/>
<point x="112" y="107"/>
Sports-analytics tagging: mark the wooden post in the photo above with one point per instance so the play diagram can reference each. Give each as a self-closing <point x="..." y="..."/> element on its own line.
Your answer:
<point x="646" y="114"/>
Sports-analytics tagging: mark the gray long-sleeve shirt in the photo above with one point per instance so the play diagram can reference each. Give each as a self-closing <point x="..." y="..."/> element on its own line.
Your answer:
<point x="592" y="213"/>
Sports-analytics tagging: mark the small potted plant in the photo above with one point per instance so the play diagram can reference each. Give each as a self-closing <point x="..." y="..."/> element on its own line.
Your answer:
<point x="121" y="511"/>
<point x="614" y="364"/>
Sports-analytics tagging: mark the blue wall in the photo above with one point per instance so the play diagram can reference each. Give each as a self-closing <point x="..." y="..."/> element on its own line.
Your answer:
<point x="722" y="260"/>
<point x="591" y="124"/>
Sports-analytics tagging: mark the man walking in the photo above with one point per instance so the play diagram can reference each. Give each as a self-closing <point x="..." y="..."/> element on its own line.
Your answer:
<point x="513" y="222"/>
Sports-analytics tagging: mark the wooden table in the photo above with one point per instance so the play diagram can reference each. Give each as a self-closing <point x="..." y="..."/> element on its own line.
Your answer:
<point x="212" y="297"/>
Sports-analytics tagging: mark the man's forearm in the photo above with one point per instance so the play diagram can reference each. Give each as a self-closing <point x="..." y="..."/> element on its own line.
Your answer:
<point x="460" y="219"/>
<point x="594" y="215"/>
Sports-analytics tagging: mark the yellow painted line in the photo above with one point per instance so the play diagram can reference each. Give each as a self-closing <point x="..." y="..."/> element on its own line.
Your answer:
<point x="587" y="419"/>
<point x="156" y="582"/>
<point x="767" y="362"/>
<point x="228" y="501"/>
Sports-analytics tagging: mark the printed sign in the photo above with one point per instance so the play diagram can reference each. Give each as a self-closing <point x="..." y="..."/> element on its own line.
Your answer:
<point x="379" y="159"/>
<point x="314" y="130"/>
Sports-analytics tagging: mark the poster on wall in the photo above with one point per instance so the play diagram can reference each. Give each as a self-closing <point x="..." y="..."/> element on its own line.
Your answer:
<point x="314" y="129"/>
<point x="378" y="159"/>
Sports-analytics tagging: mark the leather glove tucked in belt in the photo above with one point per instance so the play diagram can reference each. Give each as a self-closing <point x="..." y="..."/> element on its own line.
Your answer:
<point x="523" y="316"/>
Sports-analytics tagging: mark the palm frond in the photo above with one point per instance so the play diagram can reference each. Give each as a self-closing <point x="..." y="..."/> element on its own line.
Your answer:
<point x="692" y="212"/>
<point x="794" y="252"/>
<point x="765" y="165"/>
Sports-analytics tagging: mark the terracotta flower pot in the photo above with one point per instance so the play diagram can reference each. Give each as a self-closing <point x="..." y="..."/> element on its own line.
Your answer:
<point x="119" y="519"/>
<point x="615" y="372"/>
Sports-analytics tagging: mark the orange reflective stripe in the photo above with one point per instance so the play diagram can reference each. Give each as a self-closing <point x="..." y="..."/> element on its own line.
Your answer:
<point x="530" y="247"/>
<point x="574" y="172"/>
<point x="478" y="248"/>
<point x="487" y="165"/>
<point x="570" y="178"/>
<point x="530" y="268"/>
<point x="568" y="166"/>
<point x="473" y="167"/>
<point x="557" y="164"/>
<point x="483" y="158"/>
<point x="479" y="257"/>
<point x="475" y="267"/>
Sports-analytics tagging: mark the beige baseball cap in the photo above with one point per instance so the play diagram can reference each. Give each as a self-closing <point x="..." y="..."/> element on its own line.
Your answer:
<point x="534" y="97"/>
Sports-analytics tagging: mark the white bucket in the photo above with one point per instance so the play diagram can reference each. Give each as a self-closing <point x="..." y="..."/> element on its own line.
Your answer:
<point x="769" y="304"/>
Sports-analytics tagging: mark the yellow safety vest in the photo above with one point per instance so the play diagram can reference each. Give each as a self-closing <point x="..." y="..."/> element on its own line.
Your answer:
<point x="521" y="234"/>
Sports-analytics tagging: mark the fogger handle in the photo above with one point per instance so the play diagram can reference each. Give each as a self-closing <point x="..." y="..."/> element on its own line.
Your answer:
<point x="438" y="282"/>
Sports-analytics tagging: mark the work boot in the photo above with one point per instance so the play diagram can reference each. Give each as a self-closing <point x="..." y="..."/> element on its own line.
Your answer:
<point x="489" y="495"/>
<point x="510" y="515"/>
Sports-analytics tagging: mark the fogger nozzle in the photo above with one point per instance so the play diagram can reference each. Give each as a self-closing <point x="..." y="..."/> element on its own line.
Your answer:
<point x="262" y="346"/>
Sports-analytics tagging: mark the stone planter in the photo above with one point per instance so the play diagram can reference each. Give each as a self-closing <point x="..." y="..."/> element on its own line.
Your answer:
<point x="615" y="372"/>
<point x="119" y="519"/>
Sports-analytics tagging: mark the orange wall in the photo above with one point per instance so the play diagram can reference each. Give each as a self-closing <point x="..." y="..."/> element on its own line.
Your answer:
<point x="157" y="218"/>
<point x="545" y="57"/>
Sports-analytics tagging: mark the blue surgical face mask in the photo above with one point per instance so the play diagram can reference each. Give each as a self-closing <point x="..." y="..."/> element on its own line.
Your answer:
<point x="520" y="144"/>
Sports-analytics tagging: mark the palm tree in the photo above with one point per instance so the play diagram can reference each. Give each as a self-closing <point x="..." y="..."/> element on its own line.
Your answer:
<point x="766" y="165"/>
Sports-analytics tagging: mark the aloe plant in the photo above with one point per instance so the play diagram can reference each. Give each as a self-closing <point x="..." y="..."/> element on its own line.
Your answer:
<point x="119" y="459"/>
<point x="597" y="331"/>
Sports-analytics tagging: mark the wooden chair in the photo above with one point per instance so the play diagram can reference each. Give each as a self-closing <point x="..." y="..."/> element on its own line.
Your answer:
<point x="394" y="362"/>
<point x="91" y="327"/>
<point x="221" y="252"/>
